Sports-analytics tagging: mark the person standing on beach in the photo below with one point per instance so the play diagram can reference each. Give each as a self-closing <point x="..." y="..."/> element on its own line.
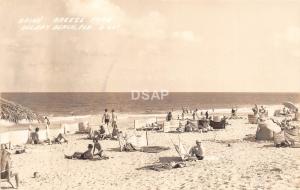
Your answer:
<point x="169" y="116"/>
<point x="106" y="117"/>
<point x="114" y="118"/>
<point x="194" y="114"/>
<point x="206" y="114"/>
<point x="47" y="128"/>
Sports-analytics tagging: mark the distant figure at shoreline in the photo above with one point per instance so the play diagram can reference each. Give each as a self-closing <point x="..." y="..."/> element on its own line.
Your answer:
<point x="233" y="112"/>
<point x="206" y="115"/>
<point x="169" y="116"/>
<point x="194" y="114"/>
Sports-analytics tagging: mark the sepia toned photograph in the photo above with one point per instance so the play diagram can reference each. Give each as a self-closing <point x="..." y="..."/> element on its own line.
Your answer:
<point x="150" y="94"/>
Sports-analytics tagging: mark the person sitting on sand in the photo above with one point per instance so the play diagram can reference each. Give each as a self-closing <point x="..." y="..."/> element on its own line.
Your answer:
<point x="255" y="110"/>
<point x="115" y="132"/>
<point x="180" y="128"/>
<point x="188" y="127"/>
<point x="87" y="155"/>
<point x="233" y="112"/>
<point x="98" y="147"/>
<point x="206" y="127"/>
<point x="60" y="139"/>
<point x="35" y="136"/>
<point x="102" y="132"/>
<point x="197" y="151"/>
<point x="262" y="110"/>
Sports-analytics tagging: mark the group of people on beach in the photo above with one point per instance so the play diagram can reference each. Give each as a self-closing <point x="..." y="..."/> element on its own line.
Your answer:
<point x="95" y="149"/>
<point x="200" y="121"/>
<point x="34" y="137"/>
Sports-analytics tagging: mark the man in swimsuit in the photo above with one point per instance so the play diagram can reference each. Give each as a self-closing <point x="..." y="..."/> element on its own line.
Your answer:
<point x="114" y="117"/>
<point x="97" y="146"/>
<point x="106" y="117"/>
<point x="87" y="155"/>
<point x="197" y="151"/>
<point x="35" y="136"/>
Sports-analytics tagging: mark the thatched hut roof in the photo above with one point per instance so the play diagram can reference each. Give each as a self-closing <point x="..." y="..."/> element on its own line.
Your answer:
<point x="14" y="112"/>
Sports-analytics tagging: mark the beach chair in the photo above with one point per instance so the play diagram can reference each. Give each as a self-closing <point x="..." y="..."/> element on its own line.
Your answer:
<point x="182" y="151"/>
<point x="5" y="169"/>
<point x="218" y="125"/>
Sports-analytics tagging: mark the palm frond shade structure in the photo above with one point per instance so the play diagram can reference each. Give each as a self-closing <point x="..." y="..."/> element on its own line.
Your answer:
<point x="14" y="112"/>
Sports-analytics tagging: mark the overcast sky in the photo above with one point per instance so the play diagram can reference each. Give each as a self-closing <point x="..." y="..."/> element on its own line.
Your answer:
<point x="175" y="45"/>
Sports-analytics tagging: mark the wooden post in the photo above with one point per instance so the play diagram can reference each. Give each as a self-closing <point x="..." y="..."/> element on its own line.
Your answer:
<point x="147" y="138"/>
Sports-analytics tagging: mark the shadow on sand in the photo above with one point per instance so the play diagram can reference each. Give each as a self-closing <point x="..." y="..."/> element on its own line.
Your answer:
<point x="169" y="159"/>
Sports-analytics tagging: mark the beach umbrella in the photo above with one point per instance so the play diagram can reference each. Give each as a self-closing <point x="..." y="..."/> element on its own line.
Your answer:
<point x="15" y="112"/>
<point x="290" y="105"/>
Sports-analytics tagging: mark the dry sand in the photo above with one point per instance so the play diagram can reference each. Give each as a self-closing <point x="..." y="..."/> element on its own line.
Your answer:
<point x="243" y="165"/>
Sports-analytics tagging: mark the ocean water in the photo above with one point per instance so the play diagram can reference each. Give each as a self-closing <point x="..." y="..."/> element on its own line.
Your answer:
<point x="85" y="103"/>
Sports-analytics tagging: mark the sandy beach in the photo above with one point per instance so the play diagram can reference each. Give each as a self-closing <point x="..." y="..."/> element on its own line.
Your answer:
<point x="245" y="164"/>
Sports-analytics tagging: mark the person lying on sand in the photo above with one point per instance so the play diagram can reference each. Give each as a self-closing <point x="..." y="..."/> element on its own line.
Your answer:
<point x="87" y="155"/>
<point x="60" y="139"/>
<point x="98" y="147"/>
<point x="197" y="151"/>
